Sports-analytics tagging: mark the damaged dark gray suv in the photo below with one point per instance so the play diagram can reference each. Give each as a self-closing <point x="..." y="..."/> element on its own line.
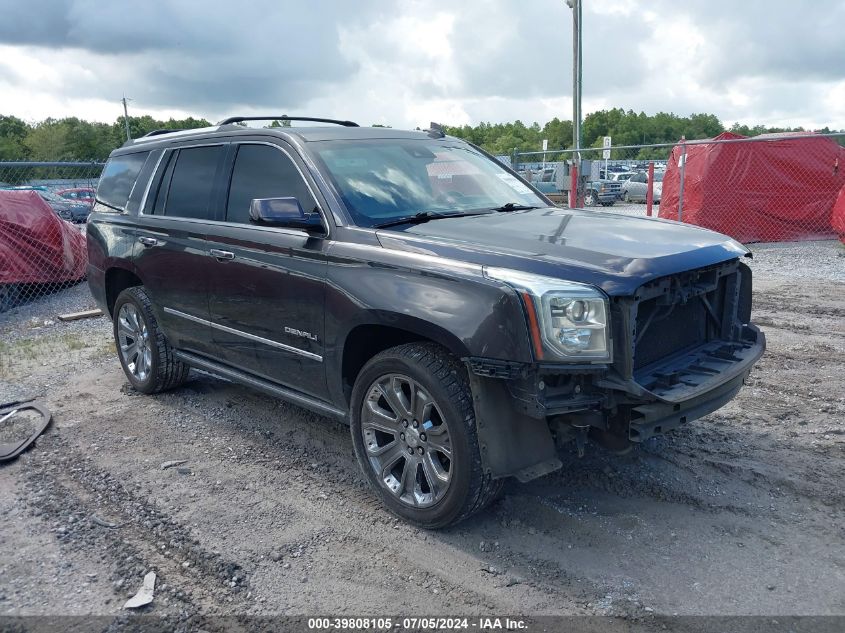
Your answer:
<point x="410" y="285"/>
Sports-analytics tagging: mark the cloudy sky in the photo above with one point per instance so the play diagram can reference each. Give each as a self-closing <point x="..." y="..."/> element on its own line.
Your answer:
<point x="407" y="63"/>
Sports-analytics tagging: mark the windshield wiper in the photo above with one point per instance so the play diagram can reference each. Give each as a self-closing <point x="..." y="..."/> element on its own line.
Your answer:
<point x="423" y="216"/>
<point x="514" y="206"/>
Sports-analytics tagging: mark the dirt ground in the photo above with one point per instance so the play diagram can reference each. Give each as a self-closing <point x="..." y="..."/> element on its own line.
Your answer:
<point x="738" y="513"/>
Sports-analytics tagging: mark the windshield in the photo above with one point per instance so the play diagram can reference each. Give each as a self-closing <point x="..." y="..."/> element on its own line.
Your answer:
<point x="658" y="176"/>
<point x="51" y="197"/>
<point x="387" y="179"/>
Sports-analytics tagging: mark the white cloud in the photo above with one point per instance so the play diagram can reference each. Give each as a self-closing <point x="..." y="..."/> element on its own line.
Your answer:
<point x="406" y="64"/>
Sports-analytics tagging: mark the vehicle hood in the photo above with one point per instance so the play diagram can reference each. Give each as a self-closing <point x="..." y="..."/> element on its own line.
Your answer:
<point x="615" y="252"/>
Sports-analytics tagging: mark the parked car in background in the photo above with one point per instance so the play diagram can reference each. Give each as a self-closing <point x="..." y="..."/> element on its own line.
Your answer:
<point x="544" y="181"/>
<point x="77" y="212"/>
<point x="621" y="176"/>
<point x="603" y="192"/>
<point x="83" y="195"/>
<point x="635" y="188"/>
<point x="36" y="247"/>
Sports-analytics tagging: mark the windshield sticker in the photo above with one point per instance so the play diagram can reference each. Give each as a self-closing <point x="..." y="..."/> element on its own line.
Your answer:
<point x="513" y="183"/>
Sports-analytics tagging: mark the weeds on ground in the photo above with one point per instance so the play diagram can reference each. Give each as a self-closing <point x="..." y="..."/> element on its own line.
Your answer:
<point x="21" y="355"/>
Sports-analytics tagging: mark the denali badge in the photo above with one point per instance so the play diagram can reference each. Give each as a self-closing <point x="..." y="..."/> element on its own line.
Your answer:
<point x="290" y="330"/>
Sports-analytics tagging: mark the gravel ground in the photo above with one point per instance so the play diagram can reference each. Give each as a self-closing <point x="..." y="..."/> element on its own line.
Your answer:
<point x="823" y="260"/>
<point x="738" y="513"/>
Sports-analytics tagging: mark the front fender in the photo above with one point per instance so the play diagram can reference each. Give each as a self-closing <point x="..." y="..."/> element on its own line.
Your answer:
<point x="451" y="305"/>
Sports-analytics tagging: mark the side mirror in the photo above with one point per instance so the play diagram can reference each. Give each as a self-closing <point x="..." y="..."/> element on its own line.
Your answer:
<point x="283" y="212"/>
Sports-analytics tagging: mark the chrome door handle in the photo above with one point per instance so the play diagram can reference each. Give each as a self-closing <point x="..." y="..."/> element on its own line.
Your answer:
<point x="148" y="241"/>
<point x="222" y="255"/>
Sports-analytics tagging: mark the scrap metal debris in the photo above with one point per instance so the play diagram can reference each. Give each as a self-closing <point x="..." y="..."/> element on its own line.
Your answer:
<point x="172" y="463"/>
<point x="145" y="593"/>
<point x="9" y="412"/>
<point x="103" y="523"/>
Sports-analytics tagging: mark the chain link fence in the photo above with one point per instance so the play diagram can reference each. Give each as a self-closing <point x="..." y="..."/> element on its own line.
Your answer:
<point x="43" y="210"/>
<point x="768" y="188"/>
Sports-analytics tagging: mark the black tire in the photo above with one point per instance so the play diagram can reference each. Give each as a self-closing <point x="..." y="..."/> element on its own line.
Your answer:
<point x="626" y="198"/>
<point x="590" y="198"/>
<point x="443" y="377"/>
<point x="164" y="371"/>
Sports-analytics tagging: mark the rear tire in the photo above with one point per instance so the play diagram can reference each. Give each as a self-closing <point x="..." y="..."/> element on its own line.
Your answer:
<point x="412" y="421"/>
<point x="145" y="355"/>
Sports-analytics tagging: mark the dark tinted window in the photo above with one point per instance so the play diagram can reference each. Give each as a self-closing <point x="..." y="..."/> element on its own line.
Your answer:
<point x="118" y="177"/>
<point x="262" y="171"/>
<point x="192" y="182"/>
<point x="159" y="193"/>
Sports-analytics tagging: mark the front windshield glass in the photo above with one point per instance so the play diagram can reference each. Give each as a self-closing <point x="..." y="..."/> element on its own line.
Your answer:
<point x="658" y="176"/>
<point x="380" y="180"/>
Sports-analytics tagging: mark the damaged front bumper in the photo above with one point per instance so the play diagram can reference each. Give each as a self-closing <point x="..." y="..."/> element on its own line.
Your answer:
<point x="524" y="413"/>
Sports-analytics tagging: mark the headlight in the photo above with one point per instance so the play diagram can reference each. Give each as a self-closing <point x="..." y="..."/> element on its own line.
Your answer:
<point x="568" y="320"/>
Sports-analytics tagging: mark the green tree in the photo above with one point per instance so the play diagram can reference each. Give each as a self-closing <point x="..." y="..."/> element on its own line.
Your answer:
<point x="49" y="140"/>
<point x="13" y="133"/>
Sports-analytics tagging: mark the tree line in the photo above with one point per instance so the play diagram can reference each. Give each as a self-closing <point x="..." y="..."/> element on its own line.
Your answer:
<point x="625" y="127"/>
<point x="76" y="139"/>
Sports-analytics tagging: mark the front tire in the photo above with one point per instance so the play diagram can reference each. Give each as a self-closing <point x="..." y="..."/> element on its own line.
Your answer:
<point x="413" y="431"/>
<point x="145" y="355"/>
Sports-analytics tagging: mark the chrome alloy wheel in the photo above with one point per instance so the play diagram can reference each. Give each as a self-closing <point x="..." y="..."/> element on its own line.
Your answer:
<point x="134" y="341"/>
<point x="407" y="440"/>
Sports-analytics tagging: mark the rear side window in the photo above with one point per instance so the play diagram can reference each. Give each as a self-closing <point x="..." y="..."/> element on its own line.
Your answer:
<point x="118" y="178"/>
<point x="192" y="182"/>
<point x="262" y="171"/>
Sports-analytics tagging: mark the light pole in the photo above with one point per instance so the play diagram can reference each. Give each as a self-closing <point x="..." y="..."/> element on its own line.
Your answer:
<point x="575" y="5"/>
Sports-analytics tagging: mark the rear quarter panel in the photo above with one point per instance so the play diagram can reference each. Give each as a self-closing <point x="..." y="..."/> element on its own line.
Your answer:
<point x="111" y="240"/>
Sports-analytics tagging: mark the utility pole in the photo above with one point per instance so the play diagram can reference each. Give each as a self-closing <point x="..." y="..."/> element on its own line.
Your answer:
<point x="126" y="118"/>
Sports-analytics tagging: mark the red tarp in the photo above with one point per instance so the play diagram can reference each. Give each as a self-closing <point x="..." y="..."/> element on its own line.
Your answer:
<point x="36" y="245"/>
<point x="837" y="216"/>
<point x="775" y="190"/>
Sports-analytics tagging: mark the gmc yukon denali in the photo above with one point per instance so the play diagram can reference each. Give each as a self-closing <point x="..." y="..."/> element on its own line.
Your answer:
<point x="413" y="287"/>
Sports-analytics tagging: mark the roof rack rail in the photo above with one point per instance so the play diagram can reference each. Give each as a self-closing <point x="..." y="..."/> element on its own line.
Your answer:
<point x="239" y="119"/>
<point x="162" y="131"/>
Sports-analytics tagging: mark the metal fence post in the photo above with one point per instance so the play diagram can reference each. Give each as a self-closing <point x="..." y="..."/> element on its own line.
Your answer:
<point x="649" y="195"/>
<point x="682" y="168"/>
